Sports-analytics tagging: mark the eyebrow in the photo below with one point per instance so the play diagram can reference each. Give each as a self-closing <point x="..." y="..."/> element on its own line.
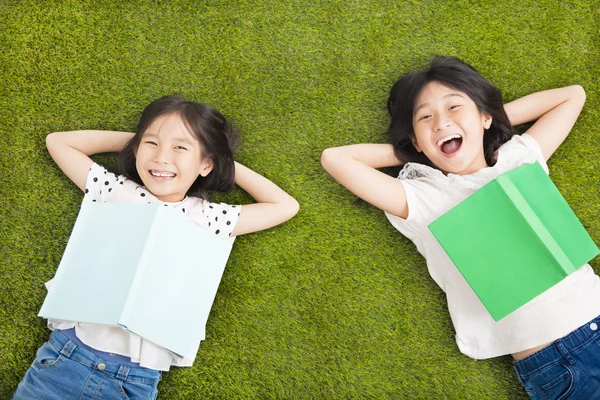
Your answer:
<point x="444" y="97"/>
<point x="177" y="139"/>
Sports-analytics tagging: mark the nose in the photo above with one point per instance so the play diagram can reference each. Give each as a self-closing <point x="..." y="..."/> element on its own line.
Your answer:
<point x="162" y="155"/>
<point x="442" y="121"/>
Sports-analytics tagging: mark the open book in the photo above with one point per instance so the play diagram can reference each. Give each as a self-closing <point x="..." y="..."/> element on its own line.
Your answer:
<point x="143" y="267"/>
<point x="514" y="238"/>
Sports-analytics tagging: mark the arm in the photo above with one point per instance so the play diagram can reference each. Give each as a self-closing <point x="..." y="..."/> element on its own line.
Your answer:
<point x="71" y="150"/>
<point x="273" y="206"/>
<point x="355" y="166"/>
<point x="555" y="110"/>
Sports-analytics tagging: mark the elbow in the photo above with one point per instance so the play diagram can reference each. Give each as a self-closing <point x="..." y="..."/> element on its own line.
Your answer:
<point x="328" y="156"/>
<point x="52" y="139"/>
<point x="579" y="93"/>
<point x="292" y="207"/>
<point x="287" y="209"/>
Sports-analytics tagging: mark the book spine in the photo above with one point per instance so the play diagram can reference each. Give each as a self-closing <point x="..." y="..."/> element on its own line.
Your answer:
<point x="536" y="224"/>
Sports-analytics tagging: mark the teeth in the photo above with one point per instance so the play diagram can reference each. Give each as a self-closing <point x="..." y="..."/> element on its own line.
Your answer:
<point x="442" y="141"/>
<point x="162" y="174"/>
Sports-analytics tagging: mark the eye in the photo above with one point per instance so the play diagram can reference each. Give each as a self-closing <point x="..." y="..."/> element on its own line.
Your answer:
<point x="150" y="142"/>
<point x="180" y="148"/>
<point x="424" y="117"/>
<point x="454" y="107"/>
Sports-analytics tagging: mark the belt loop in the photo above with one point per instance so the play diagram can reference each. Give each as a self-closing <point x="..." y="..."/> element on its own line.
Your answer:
<point x="123" y="372"/>
<point x="68" y="348"/>
<point x="562" y="349"/>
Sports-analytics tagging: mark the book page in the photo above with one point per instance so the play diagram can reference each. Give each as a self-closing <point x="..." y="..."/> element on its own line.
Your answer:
<point x="182" y="268"/>
<point x="93" y="278"/>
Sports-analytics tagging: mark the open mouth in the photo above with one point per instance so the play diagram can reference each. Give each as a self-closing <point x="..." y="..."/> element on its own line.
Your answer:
<point x="451" y="144"/>
<point x="162" y="175"/>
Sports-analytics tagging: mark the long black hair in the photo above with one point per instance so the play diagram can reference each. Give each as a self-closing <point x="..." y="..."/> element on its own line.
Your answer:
<point x="218" y="141"/>
<point x="455" y="74"/>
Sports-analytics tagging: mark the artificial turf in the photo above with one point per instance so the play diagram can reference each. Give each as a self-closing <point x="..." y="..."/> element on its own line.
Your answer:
<point x="334" y="303"/>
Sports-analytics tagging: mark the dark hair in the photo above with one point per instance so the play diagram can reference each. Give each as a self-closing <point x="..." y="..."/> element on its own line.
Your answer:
<point x="455" y="74"/>
<point x="216" y="135"/>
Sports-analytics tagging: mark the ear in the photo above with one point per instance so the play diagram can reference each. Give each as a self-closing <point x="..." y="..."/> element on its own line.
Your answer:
<point x="205" y="168"/>
<point x="413" y="139"/>
<point x="487" y="121"/>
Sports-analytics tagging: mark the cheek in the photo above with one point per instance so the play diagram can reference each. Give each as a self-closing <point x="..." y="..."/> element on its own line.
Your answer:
<point x="138" y="167"/>
<point x="188" y="165"/>
<point x="138" y="158"/>
<point x="418" y="140"/>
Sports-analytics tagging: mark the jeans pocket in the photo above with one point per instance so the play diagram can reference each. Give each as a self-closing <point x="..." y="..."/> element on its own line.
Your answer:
<point x="47" y="356"/>
<point x="560" y="383"/>
<point x="135" y="390"/>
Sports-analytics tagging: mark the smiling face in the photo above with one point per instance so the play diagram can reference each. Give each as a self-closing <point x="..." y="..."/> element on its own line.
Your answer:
<point x="169" y="158"/>
<point x="449" y="129"/>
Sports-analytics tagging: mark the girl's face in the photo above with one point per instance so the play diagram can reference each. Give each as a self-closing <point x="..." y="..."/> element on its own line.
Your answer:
<point x="169" y="159"/>
<point x="449" y="129"/>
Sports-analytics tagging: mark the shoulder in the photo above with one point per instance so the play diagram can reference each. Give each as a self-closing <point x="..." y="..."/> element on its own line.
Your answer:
<point x="105" y="186"/>
<point x="520" y="149"/>
<point x="218" y="218"/>
<point x="425" y="196"/>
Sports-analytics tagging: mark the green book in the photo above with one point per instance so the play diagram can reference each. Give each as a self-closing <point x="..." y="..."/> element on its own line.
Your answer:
<point x="514" y="238"/>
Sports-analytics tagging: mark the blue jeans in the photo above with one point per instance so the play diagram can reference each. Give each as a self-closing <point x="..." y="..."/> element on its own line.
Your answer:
<point x="567" y="369"/>
<point x="62" y="371"/>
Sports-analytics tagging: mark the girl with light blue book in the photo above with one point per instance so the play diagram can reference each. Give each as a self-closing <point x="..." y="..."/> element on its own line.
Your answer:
<point x="452" y="134"/>
<point x="179" y="152"/>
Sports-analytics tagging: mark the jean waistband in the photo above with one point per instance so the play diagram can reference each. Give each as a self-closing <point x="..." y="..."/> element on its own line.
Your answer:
<point x="110" y="357"/>
<point x="562" y="348"/>
<point x="69" y="349"/>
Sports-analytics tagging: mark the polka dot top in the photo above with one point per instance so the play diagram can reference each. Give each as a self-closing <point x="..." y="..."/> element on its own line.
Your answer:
<point x="104" y="186"/>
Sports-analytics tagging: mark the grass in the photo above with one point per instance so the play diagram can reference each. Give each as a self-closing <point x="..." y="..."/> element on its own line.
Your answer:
<point x="335" y="303"/>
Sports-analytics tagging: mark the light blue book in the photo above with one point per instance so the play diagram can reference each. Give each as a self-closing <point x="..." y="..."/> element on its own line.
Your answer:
<point x="145" y="268"/>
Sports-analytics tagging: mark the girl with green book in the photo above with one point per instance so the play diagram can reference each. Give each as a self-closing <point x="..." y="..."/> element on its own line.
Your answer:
<point x="452" y="134"/>
<point x="180" y="151"/>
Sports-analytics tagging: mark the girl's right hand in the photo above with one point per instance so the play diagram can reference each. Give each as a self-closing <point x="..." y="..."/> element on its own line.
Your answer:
<point x="71" y="150"/>
<point x="355" y="167"/>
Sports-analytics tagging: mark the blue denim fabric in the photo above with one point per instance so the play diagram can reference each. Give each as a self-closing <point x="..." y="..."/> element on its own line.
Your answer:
<point x="567" y="369"/>
<point x="62" y="371"/>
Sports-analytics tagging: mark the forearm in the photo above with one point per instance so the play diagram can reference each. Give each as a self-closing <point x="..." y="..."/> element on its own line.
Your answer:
<point x="90" y="142"/>
<point x="531" y="107"/>
<point x="554" y="112"/>
<point x="260" y="188"/>
<point x="369" y="154"/>
<point x="273" y="205"/>
<point x="355" y="167"/>
<point x="71" y="150"/>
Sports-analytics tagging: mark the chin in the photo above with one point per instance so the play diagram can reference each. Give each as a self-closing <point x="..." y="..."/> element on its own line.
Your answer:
<point x="454" y="169"/>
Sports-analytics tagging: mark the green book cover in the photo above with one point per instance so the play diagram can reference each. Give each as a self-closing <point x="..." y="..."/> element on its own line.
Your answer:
<point x="514" y="238"/>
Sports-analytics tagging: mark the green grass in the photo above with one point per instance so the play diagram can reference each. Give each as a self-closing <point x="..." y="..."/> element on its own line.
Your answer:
<point x="335" y="303"/>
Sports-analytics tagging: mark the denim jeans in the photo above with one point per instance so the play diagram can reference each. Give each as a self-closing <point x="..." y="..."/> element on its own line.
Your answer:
<point x="567" y="369"/>
<point x="62" y="371"/>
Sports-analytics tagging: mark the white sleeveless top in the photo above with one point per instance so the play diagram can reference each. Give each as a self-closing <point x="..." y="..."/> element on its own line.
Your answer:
<point x="550" y="316"/>
<point x="217" y="218"/>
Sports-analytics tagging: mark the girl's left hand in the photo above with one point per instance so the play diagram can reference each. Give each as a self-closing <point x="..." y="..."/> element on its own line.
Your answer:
<point x="273" y="205"/>
<point x="555" y="110"/>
